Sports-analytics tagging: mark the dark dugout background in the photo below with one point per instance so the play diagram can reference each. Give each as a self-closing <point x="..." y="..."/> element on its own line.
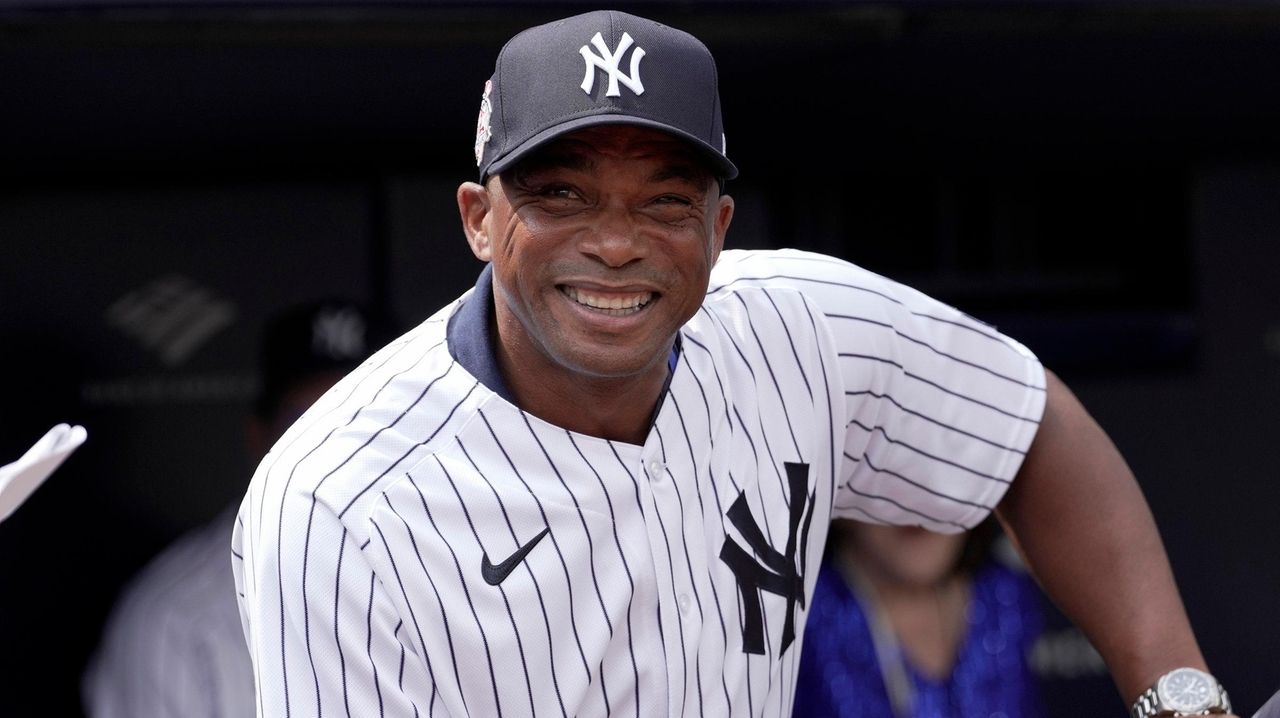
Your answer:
<point x="1100" y="179"/>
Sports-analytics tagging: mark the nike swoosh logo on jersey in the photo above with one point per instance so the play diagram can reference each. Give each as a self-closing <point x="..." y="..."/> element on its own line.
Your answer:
<point x="494" y="575"/>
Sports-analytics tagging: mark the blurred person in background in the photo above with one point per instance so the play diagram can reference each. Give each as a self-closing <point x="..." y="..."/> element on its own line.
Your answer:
<point x="907" y="623"/>
<point x="1270" y="709"/>
<point x="173" y="644"/>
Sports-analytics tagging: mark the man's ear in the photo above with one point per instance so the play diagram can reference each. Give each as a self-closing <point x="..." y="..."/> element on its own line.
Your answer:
<point x="473" y="208"/>
<point x="724" y="216"/>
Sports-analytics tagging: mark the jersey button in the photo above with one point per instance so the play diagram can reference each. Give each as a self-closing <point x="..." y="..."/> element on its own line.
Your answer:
<point x="656" y="470"/>
<point x="685" y="603"/>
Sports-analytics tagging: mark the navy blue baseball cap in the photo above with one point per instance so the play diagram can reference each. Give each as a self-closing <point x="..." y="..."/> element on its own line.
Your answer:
<point x="599" y="68"/>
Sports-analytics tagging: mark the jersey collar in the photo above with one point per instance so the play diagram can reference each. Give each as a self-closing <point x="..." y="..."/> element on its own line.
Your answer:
<point x="470" y="341"/>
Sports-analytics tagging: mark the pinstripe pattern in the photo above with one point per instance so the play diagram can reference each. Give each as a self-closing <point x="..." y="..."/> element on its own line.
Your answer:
<point x="358" y="553"/>
<point x="171" y="647"/>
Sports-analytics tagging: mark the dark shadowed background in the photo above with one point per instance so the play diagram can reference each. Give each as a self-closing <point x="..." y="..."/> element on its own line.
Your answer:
<point x="1099" y="179"/>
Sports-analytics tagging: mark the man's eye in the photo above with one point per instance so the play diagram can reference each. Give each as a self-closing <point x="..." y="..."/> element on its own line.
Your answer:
<point x="558" y="192"/>
<point x="673" y="199"/>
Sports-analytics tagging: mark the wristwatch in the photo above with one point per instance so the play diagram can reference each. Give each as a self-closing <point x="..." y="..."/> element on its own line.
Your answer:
<point x="1183" y="692"/>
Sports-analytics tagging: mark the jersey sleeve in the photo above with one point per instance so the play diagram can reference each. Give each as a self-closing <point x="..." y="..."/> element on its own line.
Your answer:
<point x="324" y="637"/>
<point x="939" y="408"/>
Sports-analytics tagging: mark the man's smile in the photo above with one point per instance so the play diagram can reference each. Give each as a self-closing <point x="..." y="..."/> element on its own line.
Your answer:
<point x="617" y="304"/>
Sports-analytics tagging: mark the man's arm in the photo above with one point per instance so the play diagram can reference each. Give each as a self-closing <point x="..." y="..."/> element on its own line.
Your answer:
<point x="1085" y="529"/>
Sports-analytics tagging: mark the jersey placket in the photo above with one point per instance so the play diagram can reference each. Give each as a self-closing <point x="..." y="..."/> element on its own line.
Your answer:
<point x="651" y="472"/>
<point x="674" y="523"/>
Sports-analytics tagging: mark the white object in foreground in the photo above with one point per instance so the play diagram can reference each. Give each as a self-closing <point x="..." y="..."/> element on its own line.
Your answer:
<point x="19" y="479"/>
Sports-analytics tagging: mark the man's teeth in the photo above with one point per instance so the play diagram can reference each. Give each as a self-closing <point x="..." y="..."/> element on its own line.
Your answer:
<point x="611" y="303"/>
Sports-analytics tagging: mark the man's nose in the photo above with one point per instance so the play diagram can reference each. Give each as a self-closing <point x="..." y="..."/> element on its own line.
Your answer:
<point x="615" y="239"/>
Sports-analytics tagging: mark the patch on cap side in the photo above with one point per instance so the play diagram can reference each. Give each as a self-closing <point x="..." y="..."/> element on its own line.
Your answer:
<point x="483" y="133"/>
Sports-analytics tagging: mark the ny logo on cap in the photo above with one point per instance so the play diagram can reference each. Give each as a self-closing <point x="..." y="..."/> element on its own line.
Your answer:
<point x="608" y="62"/>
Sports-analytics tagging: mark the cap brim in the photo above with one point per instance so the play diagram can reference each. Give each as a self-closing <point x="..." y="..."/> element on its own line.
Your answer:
<point x="720" y="165"/>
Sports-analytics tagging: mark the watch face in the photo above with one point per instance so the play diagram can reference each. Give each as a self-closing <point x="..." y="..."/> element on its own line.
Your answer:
<point x="1187" y="690"/>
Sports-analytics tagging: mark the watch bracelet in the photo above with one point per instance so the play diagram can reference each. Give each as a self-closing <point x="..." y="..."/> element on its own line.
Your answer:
<point x="1145" y="706"/>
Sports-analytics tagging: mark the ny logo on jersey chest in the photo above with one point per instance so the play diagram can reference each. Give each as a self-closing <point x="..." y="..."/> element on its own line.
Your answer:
<point x="777" y="571"/>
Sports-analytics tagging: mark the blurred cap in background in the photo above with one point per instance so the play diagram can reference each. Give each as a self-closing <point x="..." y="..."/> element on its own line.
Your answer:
<point x="329" y="335"/>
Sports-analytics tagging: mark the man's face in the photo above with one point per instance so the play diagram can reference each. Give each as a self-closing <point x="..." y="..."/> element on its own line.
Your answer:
<point x="602" y="245"/>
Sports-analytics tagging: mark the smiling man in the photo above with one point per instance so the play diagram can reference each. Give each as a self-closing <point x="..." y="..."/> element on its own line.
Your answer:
<point x="599" y="482"/>
<point x="602" y="243"/>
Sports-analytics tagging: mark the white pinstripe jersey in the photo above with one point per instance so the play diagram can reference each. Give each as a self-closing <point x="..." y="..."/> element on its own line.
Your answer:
<point x="171" y="647"/>
<point x="672" y="576"/>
